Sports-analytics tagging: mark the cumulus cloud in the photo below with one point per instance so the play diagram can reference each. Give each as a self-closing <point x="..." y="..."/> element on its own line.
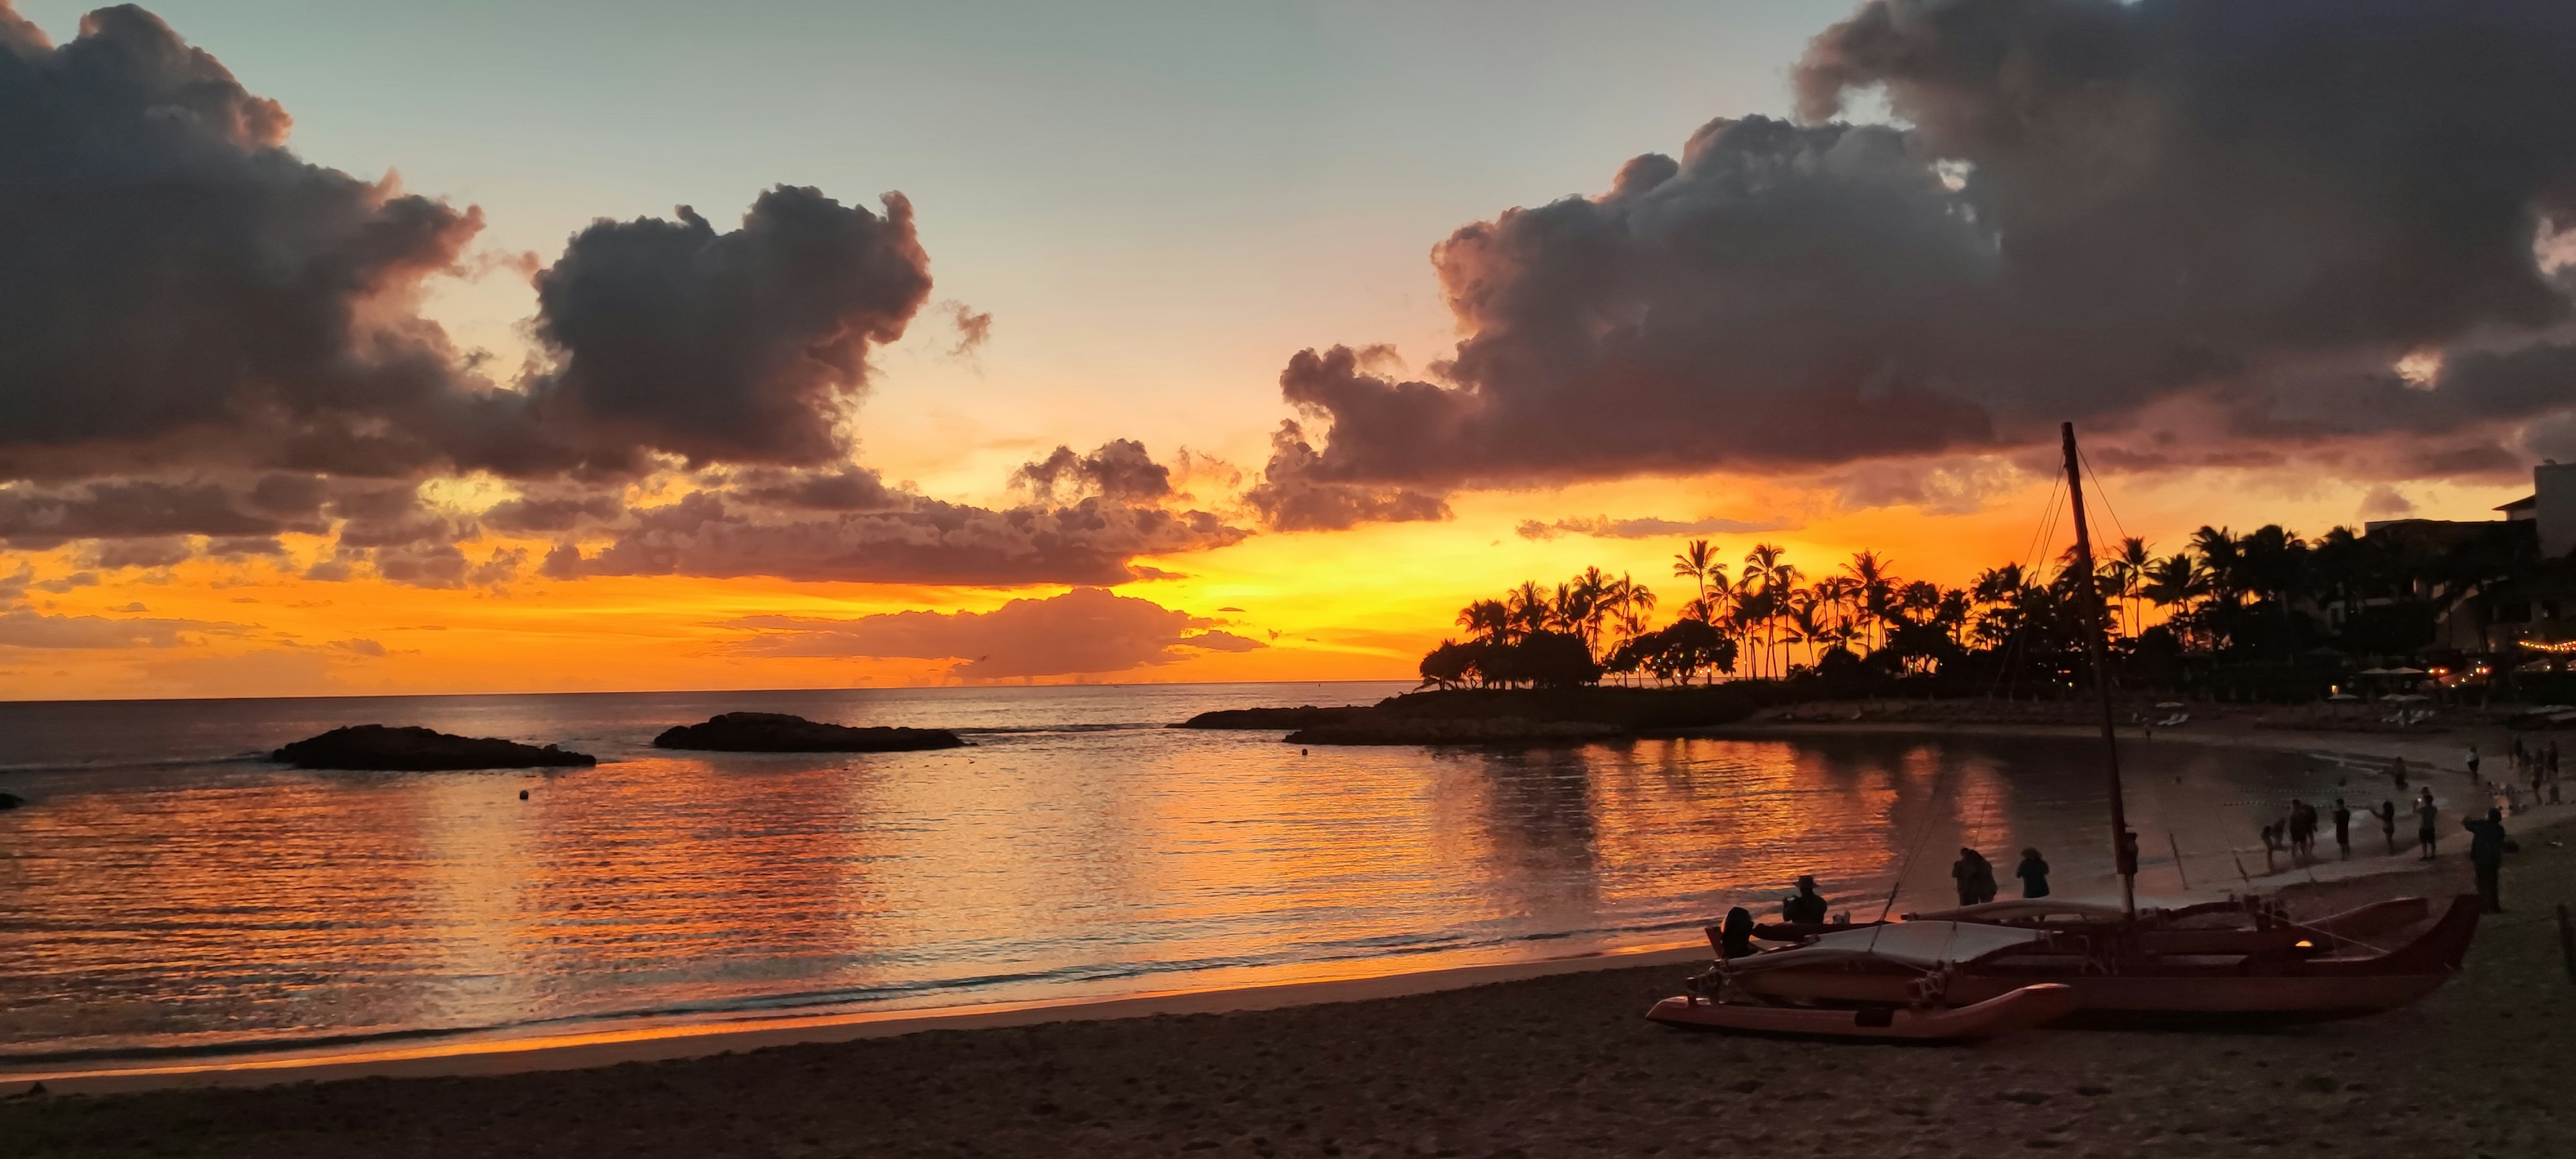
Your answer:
<point x="208" y="342"/>
<point x="1121" y="470"/>
<point x="1604" y="527"/>
<point x="739" y="346"/>
<point x="2100" y="209"/>
<point x="1083" y="631"/>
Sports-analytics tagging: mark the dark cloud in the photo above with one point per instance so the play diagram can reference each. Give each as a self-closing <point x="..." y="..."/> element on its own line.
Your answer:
<point x="922" y="541"/>
<point x="1298" y="491"/>
<point x="38" y="518"/>
<point x="171" y="269"/>
<point x="2101" y="208"/>
<point x="1604" y="527"/>
<point x="743" y="346"/>
<point x="1086" y="630"/>
<point x="1120" y="470"/>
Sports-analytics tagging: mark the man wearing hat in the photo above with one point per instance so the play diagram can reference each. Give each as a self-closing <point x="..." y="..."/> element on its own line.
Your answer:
<point x="1806" y="905"/>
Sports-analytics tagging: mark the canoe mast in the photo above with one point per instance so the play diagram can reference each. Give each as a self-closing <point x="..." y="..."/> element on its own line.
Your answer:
<point x="2124" y="845"/>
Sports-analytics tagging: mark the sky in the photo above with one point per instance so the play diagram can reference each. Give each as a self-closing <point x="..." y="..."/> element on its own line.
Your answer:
<point x="368" y="349"/>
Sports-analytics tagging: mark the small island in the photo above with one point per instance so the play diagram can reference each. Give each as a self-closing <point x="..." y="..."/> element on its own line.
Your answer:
<point x="381" y="748"/>
<point x="778" y="732"/>
<point x="1268" y="719"/>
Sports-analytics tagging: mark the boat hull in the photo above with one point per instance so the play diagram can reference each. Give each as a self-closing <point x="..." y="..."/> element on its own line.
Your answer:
<point x="2160" y="988"/>
<point x="2021" y="1008"/>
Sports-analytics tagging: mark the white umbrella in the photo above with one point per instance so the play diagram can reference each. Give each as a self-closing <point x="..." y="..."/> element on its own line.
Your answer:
<point x="2375" y="672"/>
<point x="2405" y="671"/>
<point x="2404" y="698"/>
<point x="2168" y="704"/>
<point x="2343" y="696"/>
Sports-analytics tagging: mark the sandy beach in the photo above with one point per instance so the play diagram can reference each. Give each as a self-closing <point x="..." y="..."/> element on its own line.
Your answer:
<point x="1553" y="1065"/>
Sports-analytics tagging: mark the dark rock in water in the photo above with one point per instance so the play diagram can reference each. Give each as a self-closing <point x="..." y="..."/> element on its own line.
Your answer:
<point x="1264" y="719"/>
<point x="1384" y="729"/>
<point x="777" y="732"/>
<point x="8" y="801"/>
<point x="379" y="748"/>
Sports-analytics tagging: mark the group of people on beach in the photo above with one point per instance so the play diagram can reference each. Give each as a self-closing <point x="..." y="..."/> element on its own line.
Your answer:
<point x="1975" y="876"/>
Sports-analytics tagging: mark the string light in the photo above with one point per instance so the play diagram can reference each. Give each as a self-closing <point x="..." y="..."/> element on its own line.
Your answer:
<point x="2561" y="648"/>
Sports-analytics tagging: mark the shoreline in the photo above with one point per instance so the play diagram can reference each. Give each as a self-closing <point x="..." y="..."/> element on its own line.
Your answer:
<point x="473" y="1055"/>
<point x="480" y="1053"/>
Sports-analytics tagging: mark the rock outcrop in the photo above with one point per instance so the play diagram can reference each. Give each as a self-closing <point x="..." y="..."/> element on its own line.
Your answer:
<point x="1265" y="719"/>
<point x="381" y="748"/>
<point x="10" y="801"/>
<point x="777" y="732"/>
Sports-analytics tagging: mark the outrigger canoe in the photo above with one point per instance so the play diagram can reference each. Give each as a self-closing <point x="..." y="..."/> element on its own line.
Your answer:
<point x="2021" y="1009"/>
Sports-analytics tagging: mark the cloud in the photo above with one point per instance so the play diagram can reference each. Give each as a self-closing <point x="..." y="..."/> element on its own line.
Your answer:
<point x="175" y="270"/>
<point x="922" y="541"/>
<point x="1298" y="492"/>
<point x="2234" y="219"/>
<point x="1086" y="630"/>
<point x="1604" y="527"/>
<point x="974" y="328"/>
<point x="208" y="343"/>
<point x="743" y="346"/>
<point x="2383" y="502"/>
<point x="27" y="628"/>
<point x="1120" y="470"/>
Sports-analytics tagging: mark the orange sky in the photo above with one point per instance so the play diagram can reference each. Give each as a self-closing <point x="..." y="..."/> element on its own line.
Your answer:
<point x="1358" y="604"/>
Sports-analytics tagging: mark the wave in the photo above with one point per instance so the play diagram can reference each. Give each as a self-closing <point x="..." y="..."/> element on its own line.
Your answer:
<point x="761" y="1007"/>
<point x="117" y="766"/>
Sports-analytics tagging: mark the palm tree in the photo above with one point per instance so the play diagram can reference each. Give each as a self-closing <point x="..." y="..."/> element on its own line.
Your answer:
<point x="1486" y="619"/>
<point x="2221" y="560"/>
<point x="1698" y="563"/>
<point x="1527" y="608"/>
<point x="1767" y="566"/>
<point x="2128" y="568"/>
<point x="1877" y="589"/>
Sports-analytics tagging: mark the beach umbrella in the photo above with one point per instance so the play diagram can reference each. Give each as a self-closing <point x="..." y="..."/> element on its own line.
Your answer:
<point x="2405" y="671"/>
<point x="2375" y="672"/>
<point x="2343" y="696"/>
<point x="2403" y="698"/>
<point x="2168" y="704"/>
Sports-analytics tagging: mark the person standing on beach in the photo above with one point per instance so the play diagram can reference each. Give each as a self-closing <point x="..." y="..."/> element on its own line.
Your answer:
<point x="2397" y="774"/>
<point x="2033" y="872"/>
<point x="2486" y="855"/>
<point x="1975" y="875"/>
<point x="2425" y="815"/>
<point x="2473" y="762"/>
<point x="2343" y="830"/>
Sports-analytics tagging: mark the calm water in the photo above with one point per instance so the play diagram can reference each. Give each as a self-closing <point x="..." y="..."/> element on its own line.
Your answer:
<point x="168" y="890"/>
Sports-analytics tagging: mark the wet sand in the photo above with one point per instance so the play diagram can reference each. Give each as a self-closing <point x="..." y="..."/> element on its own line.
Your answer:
<point x="1559" y="1065"/>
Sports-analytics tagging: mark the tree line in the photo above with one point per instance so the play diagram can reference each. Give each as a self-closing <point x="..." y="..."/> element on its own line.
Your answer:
<point x="2263" y="597"/>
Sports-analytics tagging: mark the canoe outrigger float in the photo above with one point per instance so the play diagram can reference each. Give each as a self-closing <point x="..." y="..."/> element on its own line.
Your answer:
<point x="1986" y="969"/>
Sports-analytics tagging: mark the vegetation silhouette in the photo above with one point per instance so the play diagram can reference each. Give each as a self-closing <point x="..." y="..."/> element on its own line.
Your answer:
<point x="2262" y="615"/>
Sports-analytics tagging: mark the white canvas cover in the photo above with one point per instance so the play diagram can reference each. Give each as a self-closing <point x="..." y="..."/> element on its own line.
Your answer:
<point x="1923" y="945"/>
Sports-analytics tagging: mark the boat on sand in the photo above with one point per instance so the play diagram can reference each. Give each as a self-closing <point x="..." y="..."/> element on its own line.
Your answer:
<point x="2020" y="1009"/>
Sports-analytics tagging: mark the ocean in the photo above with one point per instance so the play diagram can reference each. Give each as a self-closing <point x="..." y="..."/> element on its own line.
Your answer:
<point x="167" y="890"/>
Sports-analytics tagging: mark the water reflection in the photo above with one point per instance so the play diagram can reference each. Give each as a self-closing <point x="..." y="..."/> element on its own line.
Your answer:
<point x="213" y="903"/>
